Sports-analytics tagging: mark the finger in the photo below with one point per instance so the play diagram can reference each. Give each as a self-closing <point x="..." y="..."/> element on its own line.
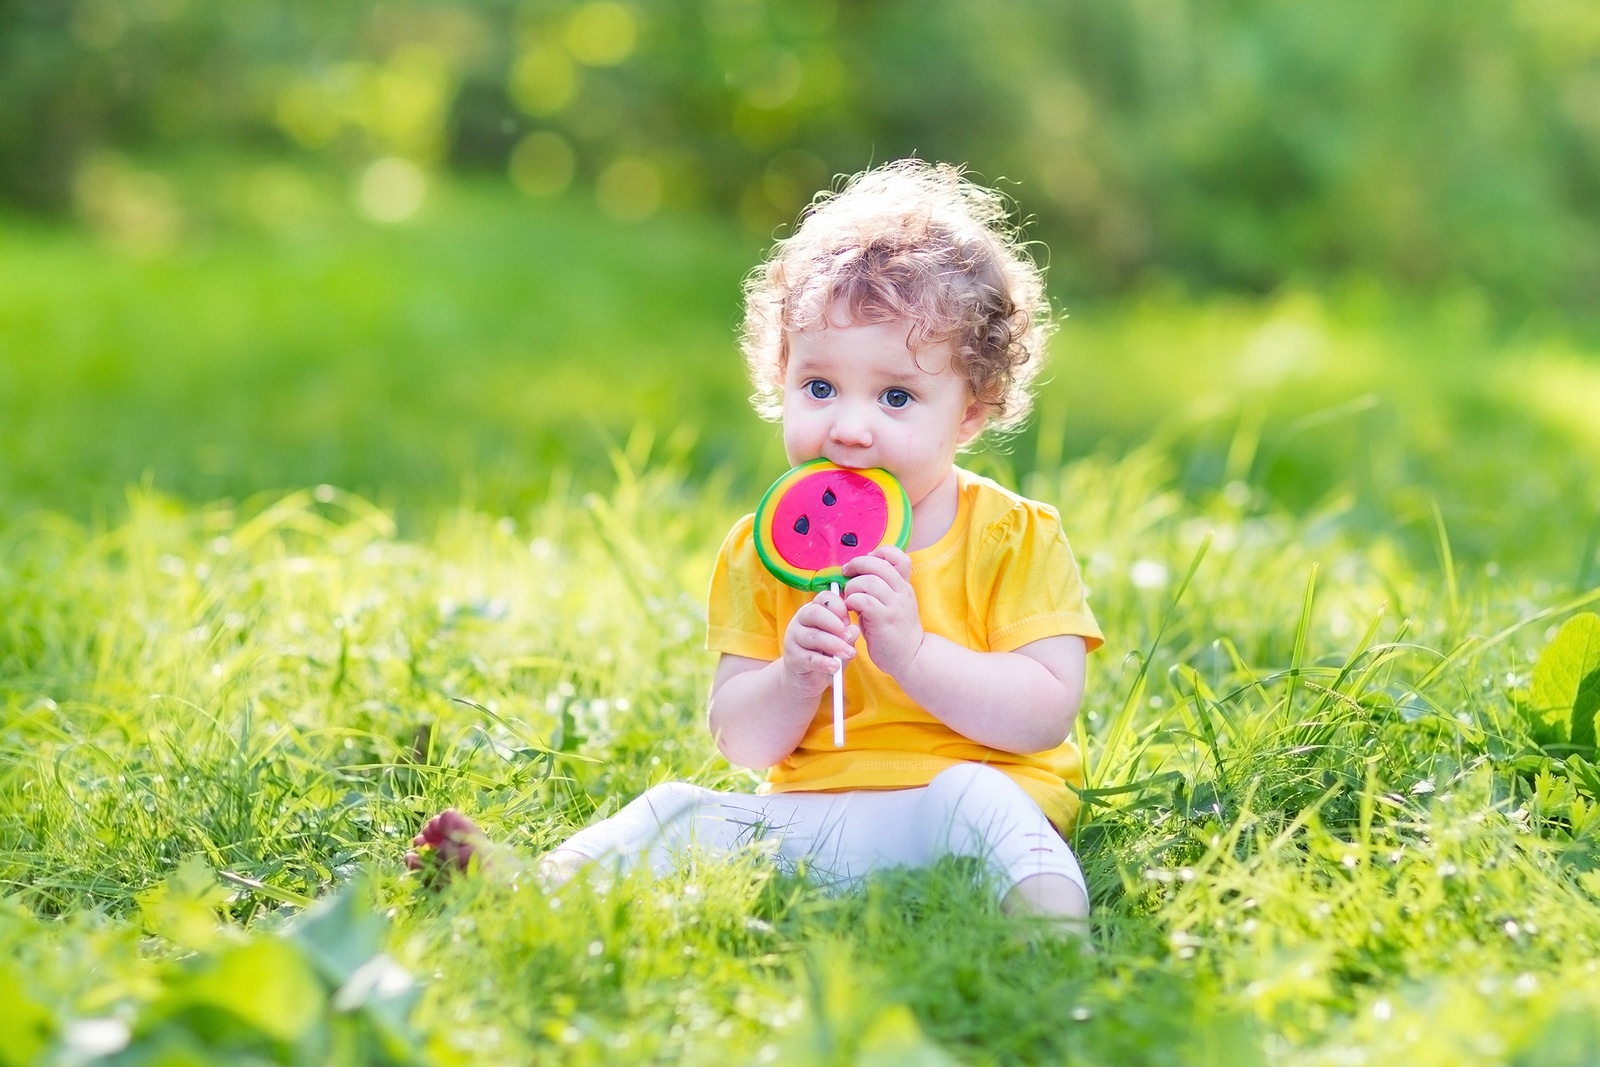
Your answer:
<point x="866" y="565"/>
<point x="867" y="606"/>
<point x="896" y="558"/>
<point x="827" y="598"/>
<point x="826" y="644"/>
<point x="805" y="662"/>
<point x="830" y="602"/>
<point x="873" y="585"/>
<point x="821" y="617"/>
<point x="828" y="665"/>
<point x="878" y="567"/>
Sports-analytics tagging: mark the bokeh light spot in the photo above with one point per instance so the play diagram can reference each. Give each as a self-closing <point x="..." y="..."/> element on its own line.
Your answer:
<point x="391" y="190"/>
<point x="804" y="17"/>
<point x="768" y="78"/>
<point x="733" y="18"/>
<point x="1060" y="108"/>
<point x="306" y="114"/>
<point x="602" y="33"/>
<point x="99" y="24"/>
<point x="790" y="179"/>
<point x="406" y="101"/>
<point x="543" y="80"/>
<point x="134" y="209"/>
<point x="1282" y="349"/>
<point x="542" y="164"/>
<point x="629" y="189"/>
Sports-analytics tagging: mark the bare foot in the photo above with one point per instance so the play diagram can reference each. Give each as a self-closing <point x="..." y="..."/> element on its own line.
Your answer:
<point x="446" y="845"/>
<point x="1057" y="900"/>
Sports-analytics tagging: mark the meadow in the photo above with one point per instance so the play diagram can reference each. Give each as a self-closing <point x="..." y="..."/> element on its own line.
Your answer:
<point x="310" y="528"/>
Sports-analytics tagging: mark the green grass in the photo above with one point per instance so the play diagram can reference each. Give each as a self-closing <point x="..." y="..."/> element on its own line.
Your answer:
<point x="1321" y="831"/>
<point x="472" y="354"/>
<point x="1346" y="852"/>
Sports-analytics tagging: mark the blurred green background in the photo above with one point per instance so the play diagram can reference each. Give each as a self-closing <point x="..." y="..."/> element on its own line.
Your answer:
<point x="1343" y="259"/>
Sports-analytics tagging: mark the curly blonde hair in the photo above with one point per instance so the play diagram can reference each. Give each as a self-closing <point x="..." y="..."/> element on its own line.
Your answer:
<point x="914" y="242"/>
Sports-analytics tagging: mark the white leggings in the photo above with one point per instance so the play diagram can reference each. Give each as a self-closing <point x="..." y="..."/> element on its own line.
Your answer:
<point x="967" y="810"/>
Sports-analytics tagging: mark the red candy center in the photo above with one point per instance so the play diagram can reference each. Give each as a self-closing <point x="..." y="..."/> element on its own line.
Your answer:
<point x="828" y="518"/>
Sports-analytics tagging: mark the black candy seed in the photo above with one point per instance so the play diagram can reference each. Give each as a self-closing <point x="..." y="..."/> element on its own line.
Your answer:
<point x="848" y="540"/>
<point x="802" y="525"/>
<point x="828" y="498"/>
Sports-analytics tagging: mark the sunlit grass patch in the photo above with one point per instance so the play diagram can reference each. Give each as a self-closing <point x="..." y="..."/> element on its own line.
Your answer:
<point x="285" y="688"/>
<point x="463" y="359"/>
<point x="1317" y="816"/>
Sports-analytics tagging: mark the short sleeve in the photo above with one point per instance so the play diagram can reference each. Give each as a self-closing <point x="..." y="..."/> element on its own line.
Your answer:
<point x="1035" y="589"/>
<point x="741" y="607"/>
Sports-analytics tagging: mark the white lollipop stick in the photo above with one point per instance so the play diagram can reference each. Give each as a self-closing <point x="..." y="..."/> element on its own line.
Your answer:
<point x="838" y="693"/>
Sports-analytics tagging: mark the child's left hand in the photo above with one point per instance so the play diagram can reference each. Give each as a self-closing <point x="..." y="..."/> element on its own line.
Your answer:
<point x="879" y="592"/>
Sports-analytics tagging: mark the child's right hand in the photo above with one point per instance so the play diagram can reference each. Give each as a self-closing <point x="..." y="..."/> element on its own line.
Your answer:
<point x="819" y="641"/>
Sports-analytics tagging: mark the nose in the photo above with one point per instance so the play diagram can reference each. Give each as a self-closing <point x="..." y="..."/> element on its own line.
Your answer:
<point x="851" y="426"/>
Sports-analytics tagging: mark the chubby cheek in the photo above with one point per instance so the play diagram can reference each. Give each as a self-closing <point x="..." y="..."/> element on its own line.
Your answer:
<point x="800" y="442"/>
<point x="917" y="488"/>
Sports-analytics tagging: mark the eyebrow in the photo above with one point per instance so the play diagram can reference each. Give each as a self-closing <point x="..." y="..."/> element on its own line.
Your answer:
<point x="912" y="375"/>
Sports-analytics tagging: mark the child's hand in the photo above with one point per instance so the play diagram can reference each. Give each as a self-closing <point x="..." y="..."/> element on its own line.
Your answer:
<point x="879" y="592"/>
<point x="819" y="640"/>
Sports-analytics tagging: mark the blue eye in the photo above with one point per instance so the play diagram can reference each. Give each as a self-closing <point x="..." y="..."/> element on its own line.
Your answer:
<point x="818" y="389"/>
<point x="896" y="398"/>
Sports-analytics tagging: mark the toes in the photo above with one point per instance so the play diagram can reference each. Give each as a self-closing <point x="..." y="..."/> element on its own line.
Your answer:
<point x="458" y="853"/>
<point x="449" y="838"/>
<point x="455" y="825"/>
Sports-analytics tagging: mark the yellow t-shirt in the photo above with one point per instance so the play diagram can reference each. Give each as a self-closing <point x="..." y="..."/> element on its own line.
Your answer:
<point x="1001" y="577"/>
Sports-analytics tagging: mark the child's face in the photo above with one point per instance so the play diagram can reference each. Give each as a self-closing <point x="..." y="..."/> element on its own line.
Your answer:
<point x="856" y="396"/>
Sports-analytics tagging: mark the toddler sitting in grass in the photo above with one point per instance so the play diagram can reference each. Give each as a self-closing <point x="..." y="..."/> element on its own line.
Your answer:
<point x="901" y="320"/>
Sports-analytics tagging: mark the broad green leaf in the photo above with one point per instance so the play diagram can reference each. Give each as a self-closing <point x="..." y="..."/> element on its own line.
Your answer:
<point x="1584" y="709"/>
<point x="1568" y="1036"/>
<point x="172" y="1047"/>
<point x="1585" y="776"/>
<point x="265" y="985"/>
<point x="1558" y="677"/>
<point x="340" y="934"/>
<point x="183" y="908"/>
<point x="383" y="993"/>
<point x="894" y="1039"/>
<point x="343" y="938"/>
<point x="1223" y="1039"/>
<point x="29" y="1024"/>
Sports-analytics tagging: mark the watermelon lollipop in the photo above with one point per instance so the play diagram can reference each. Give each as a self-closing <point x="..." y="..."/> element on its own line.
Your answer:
<point x="817" y="518"/>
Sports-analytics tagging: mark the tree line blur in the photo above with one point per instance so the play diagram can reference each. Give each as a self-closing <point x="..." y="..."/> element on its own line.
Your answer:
<point x="1239" y="144"/>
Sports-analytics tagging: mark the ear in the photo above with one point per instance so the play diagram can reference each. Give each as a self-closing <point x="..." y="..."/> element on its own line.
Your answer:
<point x="973" y="420"/>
